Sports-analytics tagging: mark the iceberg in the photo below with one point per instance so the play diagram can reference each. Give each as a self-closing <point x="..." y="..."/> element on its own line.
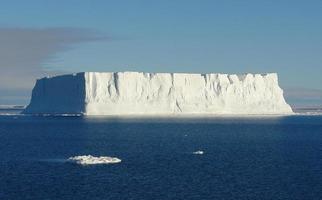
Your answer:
<point x="92" y="160"/>
<point x="138" y="93"/>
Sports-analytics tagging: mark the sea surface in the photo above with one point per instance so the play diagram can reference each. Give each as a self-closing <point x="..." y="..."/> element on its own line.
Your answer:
<point x="244" y="158"/>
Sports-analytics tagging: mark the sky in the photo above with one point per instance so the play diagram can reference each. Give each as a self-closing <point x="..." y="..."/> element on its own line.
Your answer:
<point x="40" y="38"/>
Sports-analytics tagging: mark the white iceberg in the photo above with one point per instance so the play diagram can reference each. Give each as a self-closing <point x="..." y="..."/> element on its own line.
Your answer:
<point x="137" y="93"/>
<point x="92" y="160"/>
<point x="199" y="152"/>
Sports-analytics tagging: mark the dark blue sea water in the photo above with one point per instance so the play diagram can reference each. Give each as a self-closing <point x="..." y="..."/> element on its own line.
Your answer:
<point x="245" y="158"/>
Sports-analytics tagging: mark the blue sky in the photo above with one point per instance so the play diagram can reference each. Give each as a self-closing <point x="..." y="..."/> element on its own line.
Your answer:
<point x="225" y="36"/>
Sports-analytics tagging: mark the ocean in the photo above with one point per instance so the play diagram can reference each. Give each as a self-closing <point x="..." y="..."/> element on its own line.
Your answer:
<point x="243" y="158"/>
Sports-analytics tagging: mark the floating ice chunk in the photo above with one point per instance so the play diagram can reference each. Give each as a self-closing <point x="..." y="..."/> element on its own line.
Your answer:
<point x="198" y="152"/>
<point x="92" y="160"/>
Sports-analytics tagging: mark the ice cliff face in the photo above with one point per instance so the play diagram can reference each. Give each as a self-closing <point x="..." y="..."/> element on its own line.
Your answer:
<point x="134" y="93"/>
<point x="58" y="95"/>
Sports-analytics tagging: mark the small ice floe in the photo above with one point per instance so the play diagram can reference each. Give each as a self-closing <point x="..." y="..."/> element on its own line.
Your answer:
<point x="198" y="152"/>
<point x="92" y="160"/>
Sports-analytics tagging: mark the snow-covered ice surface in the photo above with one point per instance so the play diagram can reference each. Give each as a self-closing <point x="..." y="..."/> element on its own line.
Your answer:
<point x="135" y="93"/>
<point x="92" y="160"/>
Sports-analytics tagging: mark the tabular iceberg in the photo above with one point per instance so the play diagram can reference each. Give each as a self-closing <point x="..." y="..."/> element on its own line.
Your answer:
<point x="136" y="93"/>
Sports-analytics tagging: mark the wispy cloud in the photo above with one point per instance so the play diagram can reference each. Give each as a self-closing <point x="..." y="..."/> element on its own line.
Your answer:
<point x="23" y="52"/>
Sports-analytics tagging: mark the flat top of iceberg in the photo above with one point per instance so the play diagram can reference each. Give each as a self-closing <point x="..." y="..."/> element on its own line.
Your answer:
<point x="239" y="75"/>
<point x="92" y="160"/>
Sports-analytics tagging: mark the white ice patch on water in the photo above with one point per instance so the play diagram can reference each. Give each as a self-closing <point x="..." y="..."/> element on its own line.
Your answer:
<point x="92" y="160"/>
<point x="198" y="152"/>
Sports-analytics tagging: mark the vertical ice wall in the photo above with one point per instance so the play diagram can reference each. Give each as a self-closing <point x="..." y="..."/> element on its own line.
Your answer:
<point x="57" y="95"/>
<point x="126" y="93"/>
<point x="178" y="93"/>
